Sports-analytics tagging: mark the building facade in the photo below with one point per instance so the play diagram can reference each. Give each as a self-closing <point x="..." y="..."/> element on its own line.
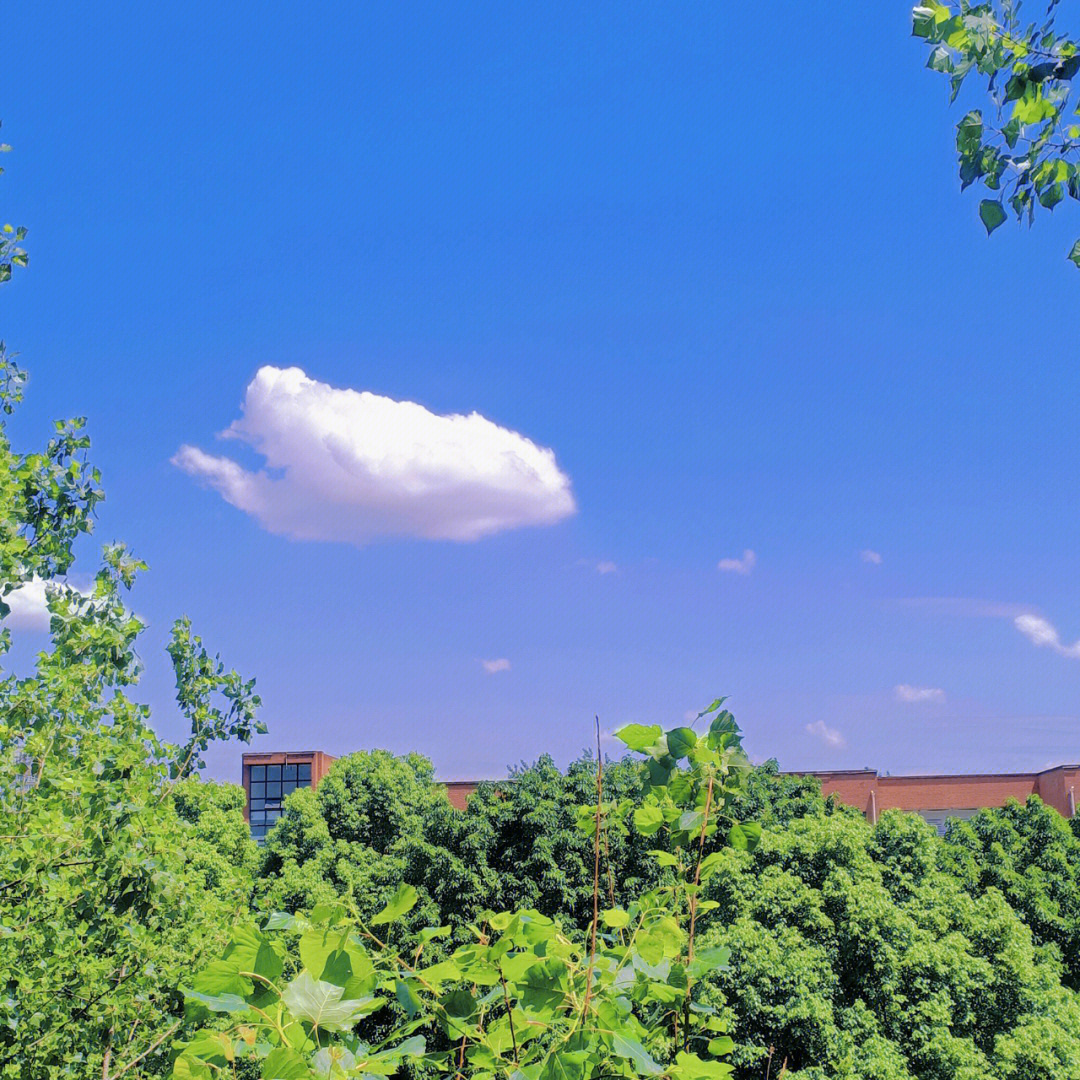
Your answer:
<point x="269" y="778"/>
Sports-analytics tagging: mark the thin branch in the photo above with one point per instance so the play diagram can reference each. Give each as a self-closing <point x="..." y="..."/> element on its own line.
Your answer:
<point x="148" y="1051"/>
<point x="596" y="872"/>
<point x="509" y="1016"/>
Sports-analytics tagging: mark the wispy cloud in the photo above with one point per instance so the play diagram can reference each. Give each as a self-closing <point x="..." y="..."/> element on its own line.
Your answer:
<point x="829" y="736"/>
<point x="739" y="566"/>
<point x="1040" y="631"/>
<point x="965" y="607"/>
<point x="351" y="466"/>
<point x="606" y="567"/>
<point x="872" y="557"/>
<point x="492" y="667"/>
<point x="904" y="692"/>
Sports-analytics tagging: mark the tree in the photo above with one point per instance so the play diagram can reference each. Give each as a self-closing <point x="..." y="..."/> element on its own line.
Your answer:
<point x="1026" y="152"/>
<point x="117" y="869"/>
<point x="1029" y="853"/>
<point x="856" y="953"/>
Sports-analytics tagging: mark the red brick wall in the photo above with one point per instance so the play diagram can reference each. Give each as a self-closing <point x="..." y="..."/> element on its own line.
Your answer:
<point x="863" y="789"/>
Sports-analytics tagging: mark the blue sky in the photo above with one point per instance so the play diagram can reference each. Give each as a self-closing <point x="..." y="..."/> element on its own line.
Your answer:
<point x="718" y="264"/>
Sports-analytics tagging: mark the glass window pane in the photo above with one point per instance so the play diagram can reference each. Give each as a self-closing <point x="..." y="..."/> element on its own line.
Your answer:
<point x="258" y="772"/>
<point x="272" y="815"/>
<point x="258" y="830"/>
<point x="303" y="773"/>
<point x="258" y="791"/>
<point x="257" y="817"/>
<point x="290" y="772"/>
<point x="257" y="804"/>
<point x="288" y="787"/>
<point x="273" y="791"/>
<point x="273" y="772"/>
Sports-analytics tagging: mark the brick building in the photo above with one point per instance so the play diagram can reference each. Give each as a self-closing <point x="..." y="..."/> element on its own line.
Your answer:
<point x="269" y="778"/>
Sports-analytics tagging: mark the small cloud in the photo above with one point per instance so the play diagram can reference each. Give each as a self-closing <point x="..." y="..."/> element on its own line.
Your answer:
<point x="494" y="666"/>
<point x="918" y="693"/>
<point x="357" y="467"/>
<point x="872" y="557"/>
<point x="606" y="567"/>
<point x="829" y="736"/>
<point x="739" y="566"/>
<point x="1041" y="632"/>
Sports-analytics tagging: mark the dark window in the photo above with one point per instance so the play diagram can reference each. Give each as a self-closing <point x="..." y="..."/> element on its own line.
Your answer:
<point x="288" y="787"/>
<point x="273" y="791"/>
<point x="273" y="772"/>
<point x="258" y="791"/>
<point x="290" y="772"/>
<point x="304" y="773"/>
<point x="257" y="804"/>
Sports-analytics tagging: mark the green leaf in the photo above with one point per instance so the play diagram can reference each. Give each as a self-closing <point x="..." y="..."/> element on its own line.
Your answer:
<point x="969" y="133"/>
<point x="721" y="1045"/>
<point x="992" y="213"/>
<point x="218" y="1003"/>
<point x="322" y="1004"/>
<point x="639" y="737"/>
<point x="283" y="1063"/>
<point x="940" y="60"/>
<point x="1050" y="196"/>
<point x="403" y="901"/>
<point x="1074" y="254"/>
<point x="681" y="741"/>
<point x="648" y="819"/>
<point x="615" y="918"/>
<point x="624" y="1046"/>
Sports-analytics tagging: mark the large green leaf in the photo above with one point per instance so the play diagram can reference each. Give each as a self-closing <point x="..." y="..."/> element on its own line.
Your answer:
<point x="402" y="902"/>
<point x="624" y="1046"/>
<point x="323" y="1004"/>
<point x="639" y="737"/>
<point x="681" y="741"/>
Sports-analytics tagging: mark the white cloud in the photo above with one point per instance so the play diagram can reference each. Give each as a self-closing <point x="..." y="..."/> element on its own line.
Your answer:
<point x="1041" y="632"/>
<point x="29" y="604"/>
<point x="739" y="566"/>
<point x="494" y="666"/>
<point x="351" y="466"/>
<point x="606" y="567"/>
<point x="29" y="607"/>
<point x="828" y="735"/>
<point x="868" y="556"/>
<point x="918" y="693"/>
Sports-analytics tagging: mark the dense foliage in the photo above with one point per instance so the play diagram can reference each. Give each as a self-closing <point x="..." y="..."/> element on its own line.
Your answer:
<point x="526" y="996"/>
<point x="117" y="870"/>
<point x="1026" y="149"/>
<point x="869" y="953"/>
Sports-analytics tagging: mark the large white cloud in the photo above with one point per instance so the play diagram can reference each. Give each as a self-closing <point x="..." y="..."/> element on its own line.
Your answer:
<point x="352" y="466"/>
